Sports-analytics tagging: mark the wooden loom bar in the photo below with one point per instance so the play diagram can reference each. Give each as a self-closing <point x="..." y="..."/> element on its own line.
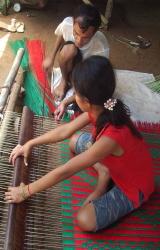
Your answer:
<point x="16" y="213"/>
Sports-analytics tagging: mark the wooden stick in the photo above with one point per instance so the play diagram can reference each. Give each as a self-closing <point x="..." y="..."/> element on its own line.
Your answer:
<point x="108" y="11"/>
<point x="5" y="7"/>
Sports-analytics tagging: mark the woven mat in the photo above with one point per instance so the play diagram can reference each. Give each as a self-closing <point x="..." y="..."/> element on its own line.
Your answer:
<point x="139" y="230"/>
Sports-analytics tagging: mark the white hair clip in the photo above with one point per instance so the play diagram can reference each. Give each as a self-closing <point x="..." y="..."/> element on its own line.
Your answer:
<point x="110" y="103"/>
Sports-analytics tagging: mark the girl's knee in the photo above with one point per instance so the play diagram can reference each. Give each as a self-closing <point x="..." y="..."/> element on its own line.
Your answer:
<point x="86" y="218"/>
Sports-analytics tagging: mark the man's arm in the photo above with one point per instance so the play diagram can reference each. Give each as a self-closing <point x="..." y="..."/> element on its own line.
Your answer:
<point x="49" y="61"/>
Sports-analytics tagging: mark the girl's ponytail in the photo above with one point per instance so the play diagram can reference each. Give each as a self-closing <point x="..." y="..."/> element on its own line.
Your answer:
<point x="118" y="115"/>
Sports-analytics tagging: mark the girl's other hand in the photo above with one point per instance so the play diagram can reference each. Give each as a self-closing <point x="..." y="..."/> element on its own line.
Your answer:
<point x="20" y="151"/>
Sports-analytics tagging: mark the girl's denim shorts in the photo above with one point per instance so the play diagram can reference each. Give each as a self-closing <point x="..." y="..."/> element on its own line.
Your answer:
<point x="84" y="141"/>
<point x="113" y="204"/>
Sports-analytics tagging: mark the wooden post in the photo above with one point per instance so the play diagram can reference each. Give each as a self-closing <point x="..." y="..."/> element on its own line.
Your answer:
<point x="108" y="11"/>
<point x="5" y="8"/>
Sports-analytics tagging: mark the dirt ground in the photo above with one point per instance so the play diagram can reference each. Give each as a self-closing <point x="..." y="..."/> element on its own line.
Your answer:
<point x="129" y="19"/>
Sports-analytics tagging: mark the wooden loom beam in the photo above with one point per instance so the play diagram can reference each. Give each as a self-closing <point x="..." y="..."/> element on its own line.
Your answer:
<point x="16" y="212"/>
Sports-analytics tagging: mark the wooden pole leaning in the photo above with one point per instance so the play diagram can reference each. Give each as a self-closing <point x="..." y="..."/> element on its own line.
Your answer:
<point x="10" y="79"/>
<point x="10" y="107"/>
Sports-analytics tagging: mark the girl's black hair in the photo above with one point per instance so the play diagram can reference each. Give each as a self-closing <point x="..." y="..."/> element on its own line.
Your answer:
<point x="89" y="16"/>
<point x="94" y="79"/>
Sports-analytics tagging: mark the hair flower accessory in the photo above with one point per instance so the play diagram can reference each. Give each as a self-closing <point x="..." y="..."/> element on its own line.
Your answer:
<point x="110" y="103"/>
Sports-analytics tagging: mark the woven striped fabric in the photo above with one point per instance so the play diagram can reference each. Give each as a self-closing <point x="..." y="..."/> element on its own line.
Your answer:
<point x="38" y="96"/>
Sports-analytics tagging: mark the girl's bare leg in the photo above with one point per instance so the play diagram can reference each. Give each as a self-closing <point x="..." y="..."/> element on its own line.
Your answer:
<point x="86" y="217"/>
<point x="102" y="182"/>
<point x="102" y="171"/>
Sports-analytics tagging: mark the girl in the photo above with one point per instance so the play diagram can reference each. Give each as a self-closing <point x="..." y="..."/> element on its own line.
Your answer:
<point x="116" y="149"/>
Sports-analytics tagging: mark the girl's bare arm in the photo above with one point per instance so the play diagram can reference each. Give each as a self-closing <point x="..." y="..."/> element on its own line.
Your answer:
<point x="58" y="134"/>
<point x="99" y="150"/>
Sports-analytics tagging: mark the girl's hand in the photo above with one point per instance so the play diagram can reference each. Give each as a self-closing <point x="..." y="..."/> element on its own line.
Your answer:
<point x="20" y="151"/>
<point x="16" y="194"/>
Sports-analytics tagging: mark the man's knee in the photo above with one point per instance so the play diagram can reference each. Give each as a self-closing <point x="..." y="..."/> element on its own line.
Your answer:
<point x="68" y="52"/>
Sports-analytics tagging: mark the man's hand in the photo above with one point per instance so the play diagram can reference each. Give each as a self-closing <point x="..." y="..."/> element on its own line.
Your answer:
<point x="59" y="111"/>
<point x="48" y="67"/>
<point x="60" y="90"/>
<point x="20" y="151"/>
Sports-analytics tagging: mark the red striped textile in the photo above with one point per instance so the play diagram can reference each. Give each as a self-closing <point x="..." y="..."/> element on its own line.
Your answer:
<point x="36" y="56"/>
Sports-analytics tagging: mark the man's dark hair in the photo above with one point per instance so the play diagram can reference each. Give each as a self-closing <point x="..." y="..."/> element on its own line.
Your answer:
<point x="87" y="15"/>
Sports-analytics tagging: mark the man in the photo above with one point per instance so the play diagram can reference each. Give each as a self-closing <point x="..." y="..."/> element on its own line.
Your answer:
<point x="77" y="38"/>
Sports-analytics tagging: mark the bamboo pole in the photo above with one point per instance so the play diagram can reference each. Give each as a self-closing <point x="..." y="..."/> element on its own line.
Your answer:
<point x="108" y="11"/>
<point x="10" y="107"/>
<point x="10" y="79"/>
<point x="15" y="91"/>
